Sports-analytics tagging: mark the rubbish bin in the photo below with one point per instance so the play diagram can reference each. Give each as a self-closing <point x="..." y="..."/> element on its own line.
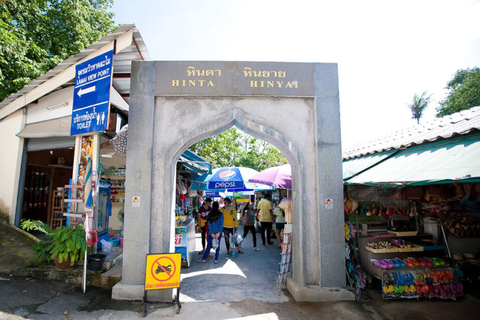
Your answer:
<point x="95" y="262"/>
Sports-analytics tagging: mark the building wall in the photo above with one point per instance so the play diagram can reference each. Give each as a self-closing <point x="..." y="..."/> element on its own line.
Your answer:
<point x="10" y="161"/>
<point x="38" y="112"/>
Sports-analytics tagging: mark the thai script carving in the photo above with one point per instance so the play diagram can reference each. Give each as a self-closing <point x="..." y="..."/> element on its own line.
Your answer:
<point x="248" y="72"/>
<point x="192" y="72"/>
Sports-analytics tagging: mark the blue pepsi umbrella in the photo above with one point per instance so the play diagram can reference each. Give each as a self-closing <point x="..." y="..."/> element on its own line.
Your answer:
<point x="234" y="179"/>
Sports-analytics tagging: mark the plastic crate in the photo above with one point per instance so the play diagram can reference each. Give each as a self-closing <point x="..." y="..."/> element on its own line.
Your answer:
<point x="115" y="241"/>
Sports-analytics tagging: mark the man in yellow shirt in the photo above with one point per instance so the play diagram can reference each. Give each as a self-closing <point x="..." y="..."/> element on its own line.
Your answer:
<point x="264" y="210"/>
<point x="230" y="223"/>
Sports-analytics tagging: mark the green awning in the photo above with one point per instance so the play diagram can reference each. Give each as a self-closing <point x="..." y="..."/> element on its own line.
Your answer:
<point x="195" y="163"/>
<point x="352" y="167"/>
<point x="441" y="162"/>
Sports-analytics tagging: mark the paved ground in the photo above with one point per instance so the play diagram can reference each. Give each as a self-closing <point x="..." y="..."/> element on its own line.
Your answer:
<point x="242" y="287"/>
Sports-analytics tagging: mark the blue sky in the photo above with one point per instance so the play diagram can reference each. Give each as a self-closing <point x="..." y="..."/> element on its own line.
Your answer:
<point x="386" y="50"/>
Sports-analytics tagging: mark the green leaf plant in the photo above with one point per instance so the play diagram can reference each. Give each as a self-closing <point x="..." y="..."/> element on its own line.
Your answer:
<point x="66" y="243"/>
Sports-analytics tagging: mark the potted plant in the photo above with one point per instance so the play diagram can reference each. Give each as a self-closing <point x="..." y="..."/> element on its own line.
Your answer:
<point x="64" y="245"/>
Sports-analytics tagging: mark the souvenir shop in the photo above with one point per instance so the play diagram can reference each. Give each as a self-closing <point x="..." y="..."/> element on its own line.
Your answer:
<point x="418" y="241"/>
<point x="412" y="208"/>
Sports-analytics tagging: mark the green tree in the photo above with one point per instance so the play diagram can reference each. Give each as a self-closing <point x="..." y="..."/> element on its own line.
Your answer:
<point x="234" y="148"/>
<point x="418" y="105"/>
<point x="464" y="92"/>
<point x="35" y="35"/>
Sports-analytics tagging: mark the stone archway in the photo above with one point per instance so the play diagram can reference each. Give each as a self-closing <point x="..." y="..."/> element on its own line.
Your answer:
<point x="295" y="107"/>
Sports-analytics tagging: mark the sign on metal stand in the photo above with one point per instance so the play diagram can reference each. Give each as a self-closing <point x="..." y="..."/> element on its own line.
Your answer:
<point x="91" y="95"/>
<point x="162" y="272"/>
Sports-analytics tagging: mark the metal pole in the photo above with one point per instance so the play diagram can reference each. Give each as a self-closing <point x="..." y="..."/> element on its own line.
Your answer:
<point x="84" y="280"/>
<point x="178" y="301"/>
<point x="445" y="239"/>
<point x="145" y="303"/>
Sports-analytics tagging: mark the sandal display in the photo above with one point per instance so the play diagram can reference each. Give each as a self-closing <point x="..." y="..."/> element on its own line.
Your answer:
<point x="426" y="280"/>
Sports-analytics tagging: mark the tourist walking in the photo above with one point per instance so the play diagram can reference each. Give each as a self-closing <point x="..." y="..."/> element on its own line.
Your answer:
<point x="248" y="218"/>
<point x="215" y="225"/>
<point x="265" y="213"/>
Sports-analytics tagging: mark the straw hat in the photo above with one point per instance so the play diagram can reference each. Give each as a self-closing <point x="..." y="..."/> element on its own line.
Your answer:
<point x="474" y="262"/>
<point x="458" y="256"/>
<point x="469" y="255"/>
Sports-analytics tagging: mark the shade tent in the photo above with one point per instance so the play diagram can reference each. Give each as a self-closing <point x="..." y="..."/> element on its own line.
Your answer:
<point x="441" y="162"/>
<point x="195" y="163"/>
<point x="352" y="167"/>
<point x="201" y="182"/>
<point x="278" y="177"/>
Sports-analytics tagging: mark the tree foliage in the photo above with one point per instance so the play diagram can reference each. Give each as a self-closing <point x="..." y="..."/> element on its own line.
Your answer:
<point x="233" y="148"/>
<point x="464" y="92"/>
<point x="35" y="35"/>
<point x="418" y="105"/>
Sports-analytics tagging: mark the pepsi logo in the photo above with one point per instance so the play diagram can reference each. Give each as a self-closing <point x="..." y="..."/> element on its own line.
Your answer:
<point x="225" y="185"/>
<point x="227" y="174"/>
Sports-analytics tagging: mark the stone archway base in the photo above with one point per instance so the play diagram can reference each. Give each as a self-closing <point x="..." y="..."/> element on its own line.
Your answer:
<point x="300" y="293"/>
<point x="135" y="292"/>
<point x="317" y="293"/>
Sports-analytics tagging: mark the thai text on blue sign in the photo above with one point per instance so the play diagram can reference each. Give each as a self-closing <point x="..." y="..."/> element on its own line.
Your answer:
<point x="91" y="94"/>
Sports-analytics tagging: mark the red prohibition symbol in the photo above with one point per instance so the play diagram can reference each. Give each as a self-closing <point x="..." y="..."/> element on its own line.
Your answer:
<point x="163" y="266"/>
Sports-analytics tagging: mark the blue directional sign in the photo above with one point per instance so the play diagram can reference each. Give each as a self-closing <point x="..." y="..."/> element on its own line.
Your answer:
<point x="91" y="94"/>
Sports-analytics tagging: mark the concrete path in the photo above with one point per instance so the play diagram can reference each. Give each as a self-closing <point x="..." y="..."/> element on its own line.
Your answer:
<point x="253" y="274"/>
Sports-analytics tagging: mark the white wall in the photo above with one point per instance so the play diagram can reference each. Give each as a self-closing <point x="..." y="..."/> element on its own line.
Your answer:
<point x="10" y="161"/>
<point x="38" y="112"/>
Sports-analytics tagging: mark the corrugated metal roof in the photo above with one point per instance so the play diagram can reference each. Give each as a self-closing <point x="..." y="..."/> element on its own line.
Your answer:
<point x="441" y="162"/>
<point x="121" y="64"/>
<point x="460" y="123"/>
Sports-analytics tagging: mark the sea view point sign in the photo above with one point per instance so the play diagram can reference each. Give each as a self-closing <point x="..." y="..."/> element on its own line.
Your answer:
<point x="91" y="94"/>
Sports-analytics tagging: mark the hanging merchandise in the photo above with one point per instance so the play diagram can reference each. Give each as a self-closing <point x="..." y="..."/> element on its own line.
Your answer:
<point x="350" y="205"/>
<point x="119" y="142"/>
<point x="352" y="267"/>
<point x="286" y="205"/>
<point x="182" y="187"/>
<point x="285" y="265"/>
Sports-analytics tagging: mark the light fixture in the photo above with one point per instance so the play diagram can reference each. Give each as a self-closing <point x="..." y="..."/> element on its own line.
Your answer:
<point x="57" y="106"/>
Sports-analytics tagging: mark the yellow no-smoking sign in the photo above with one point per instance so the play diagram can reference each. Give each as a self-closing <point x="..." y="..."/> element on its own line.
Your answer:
<point x="163" y="271"/>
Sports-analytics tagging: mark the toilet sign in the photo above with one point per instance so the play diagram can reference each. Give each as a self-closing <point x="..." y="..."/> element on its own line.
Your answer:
<point x="163" y="271"/>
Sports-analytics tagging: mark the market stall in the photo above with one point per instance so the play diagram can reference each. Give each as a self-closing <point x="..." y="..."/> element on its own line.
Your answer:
<point x="189" y="168"/>
<point x="412" y="228"/>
